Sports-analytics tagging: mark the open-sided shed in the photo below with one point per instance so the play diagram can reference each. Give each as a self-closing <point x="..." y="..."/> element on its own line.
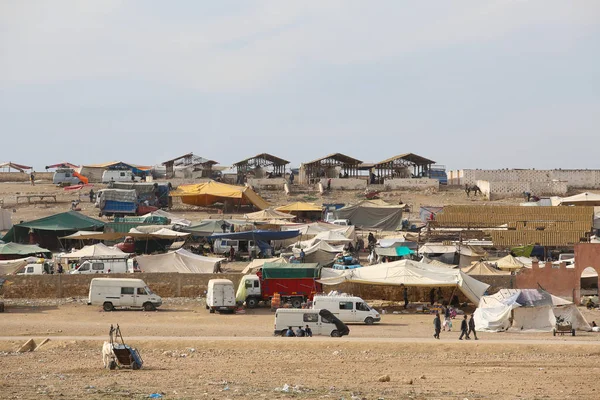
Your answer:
<point x="403" y="166"/>
<point x="258" y="165"/>
<point x="326" y="167"/>
<point x="192" y="161"/>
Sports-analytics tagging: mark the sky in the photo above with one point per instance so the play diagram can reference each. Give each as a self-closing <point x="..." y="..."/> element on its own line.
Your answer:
<point x="469" y="84"/>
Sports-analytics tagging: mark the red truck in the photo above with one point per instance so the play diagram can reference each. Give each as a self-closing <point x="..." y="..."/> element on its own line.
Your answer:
<point x="295" y="283"/>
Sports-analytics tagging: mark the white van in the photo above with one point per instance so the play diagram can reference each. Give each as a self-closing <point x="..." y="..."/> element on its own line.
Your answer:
<point x="66" y="175"/>
<point x="103" y="266"/>
<point x="347" y="308"/>
<point x="220" y="296"/>
<point x="122" y="292"/>
<point x="36" y="269"/>
<point x="319" y="325"/>
<point x="119" y="176"/>
<point x="223" y="246"/>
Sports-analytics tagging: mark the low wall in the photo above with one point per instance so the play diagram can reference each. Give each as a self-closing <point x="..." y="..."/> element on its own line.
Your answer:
<point x="584" y="179"/>
<point x="345" y="183"/>
<point x="502" y="190"/>
<point x="267" y="184"/>
<point x="23" y="177"/>
<point x="60" y="286"/>
<point x="411" y="183"/>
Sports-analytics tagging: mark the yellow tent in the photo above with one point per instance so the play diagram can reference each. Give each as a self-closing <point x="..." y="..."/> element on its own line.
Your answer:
<point x="299" y="206"/>
<point x="268" y="214"/>
<point x="207" y="194"/>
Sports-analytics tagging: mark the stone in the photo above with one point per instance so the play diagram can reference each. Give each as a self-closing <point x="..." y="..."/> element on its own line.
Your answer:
<point x="384" y="378"/>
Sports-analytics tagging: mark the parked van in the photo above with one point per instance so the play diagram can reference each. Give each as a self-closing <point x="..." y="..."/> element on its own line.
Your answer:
<point x="67" y="176"/>
<point x="119" y="176"/>
<point x="103" y="266"/>
<point x="46" y="267"/>
<point x="321" y="322"/>
<point x="347" y="308"/>
<point x="220" y="296"/>
<point x="122" y="292"/>
<point x="223" y="246"/>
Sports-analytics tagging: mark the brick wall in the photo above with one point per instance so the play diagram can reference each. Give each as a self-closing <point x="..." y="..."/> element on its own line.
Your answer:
<point x="346" y="183"/>
<point x="416" y="184"/>
<point x="584" y="179"/>
<point x="495" y="190"/>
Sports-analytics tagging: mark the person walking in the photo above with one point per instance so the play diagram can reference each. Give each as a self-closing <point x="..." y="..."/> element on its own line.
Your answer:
<point x="472" y="327"/>
<point x="464" y="329"/>
<point x="32" y="178"/>
<point x="405" y="295"/>
<point x="432" y="296"/>
<point x="437" y="325"/>
<point x="302" y="256"/>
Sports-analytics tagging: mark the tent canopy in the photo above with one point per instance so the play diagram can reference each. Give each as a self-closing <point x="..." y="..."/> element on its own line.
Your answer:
<point x="399" y="251"/>
<point x="509" y="263"/>
<point x="530" y="309"/>
<point x="372" y="215"/>
<point x="581" y="199"/>
<point x="96" y="251"/>
<point x="412" y="273"/>
<point x="207" y="194"/>
<point x="298" y="207"/>
<point x="258" y="263"/>
<point x="86" y="235"/>
<point x="268" y="214"/>
<point x="15" y="249"/>
<point x="482" y="268"/>
<point x="162" y="233"/>
<point x="256" y="235"/>
<point x="181" y="261"/>
<point x="210" y="226"/>
<point x="9" y="267"/>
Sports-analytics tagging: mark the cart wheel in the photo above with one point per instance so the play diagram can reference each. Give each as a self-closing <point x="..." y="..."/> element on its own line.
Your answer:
<point x="553" y="332"/>
<point x="112" y="364"/>
<point x="296" y="303"/>
<point x="573" y="332"/>
<point x="149" y="307"/>
<point x="108" y="306"/>
<point x="135" y="365"/>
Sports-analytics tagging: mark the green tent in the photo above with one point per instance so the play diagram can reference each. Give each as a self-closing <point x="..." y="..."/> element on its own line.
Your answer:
<point x="15" y="250"/>
<point x="291" y="270"/>
<point x="46" y="231"/>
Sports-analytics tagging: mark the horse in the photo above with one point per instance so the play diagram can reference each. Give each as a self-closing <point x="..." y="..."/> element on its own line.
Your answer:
<point x="472" y="188"/>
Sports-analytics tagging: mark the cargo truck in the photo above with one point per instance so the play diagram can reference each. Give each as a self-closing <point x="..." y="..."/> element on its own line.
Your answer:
<point x="295" y="283"/>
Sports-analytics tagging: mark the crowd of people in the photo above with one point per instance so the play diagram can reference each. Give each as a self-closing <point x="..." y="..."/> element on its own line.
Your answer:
<point x="300" y="332"/>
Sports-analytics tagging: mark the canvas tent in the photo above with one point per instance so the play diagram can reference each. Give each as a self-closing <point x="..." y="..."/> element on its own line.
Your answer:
<point x="207" y="194"/>
<point x="268" y="214"/>
<point x="412" y="273"/>
<point x="162" y="233"/>
<point x="175" y="220"/>
<point x="210" y="226"/>
<point x="483" y="268"/>
<point x="95" y="251"/>
<point x="525" y="309"/>
<point x="91" y="235"/>
<point x="258" y="263"/>
<point x="372" y="215"/>
<point x="581" y="199"/>
<point x="452" y="254"/>
<point x="46" y="231"/>
<point x="399" y="251"/>
<point x="9" y="267"/>
<point x="10" y="251"/>
<point x="181" y="261"/>
<point x="509" y="263"/>
<point x="320" y="252"/>
<point x="299" y="206"/>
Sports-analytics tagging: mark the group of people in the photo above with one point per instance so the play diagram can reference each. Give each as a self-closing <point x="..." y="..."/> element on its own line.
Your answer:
<point x="467" y="326"/>
<point x="306" y="332"/>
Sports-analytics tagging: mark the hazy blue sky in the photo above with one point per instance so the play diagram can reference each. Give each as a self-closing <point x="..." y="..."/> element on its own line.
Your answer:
<point x="470" y="84"/>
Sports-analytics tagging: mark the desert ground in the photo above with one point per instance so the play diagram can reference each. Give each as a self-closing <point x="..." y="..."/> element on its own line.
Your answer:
<point x="191" y="354"/>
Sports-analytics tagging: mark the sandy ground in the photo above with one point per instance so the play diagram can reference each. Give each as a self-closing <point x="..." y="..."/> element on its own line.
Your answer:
<point x="191" y="354"/>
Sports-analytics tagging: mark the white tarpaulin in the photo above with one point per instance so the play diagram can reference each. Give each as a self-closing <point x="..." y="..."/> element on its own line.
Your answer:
<point x="321" y="252"/>
<point x="258" y="263"/>
<point x="412" y="273"/>
<point x="181" y="261"/>
<point x="530" y="309"/>
<point x="162" y="233"/>
<point x="175" y="220"/>
<point x="99" y="250"/>
<point x="8" y="267"/>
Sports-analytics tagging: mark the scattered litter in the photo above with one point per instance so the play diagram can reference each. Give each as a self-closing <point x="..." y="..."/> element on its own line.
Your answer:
<point x="155" y="396"/>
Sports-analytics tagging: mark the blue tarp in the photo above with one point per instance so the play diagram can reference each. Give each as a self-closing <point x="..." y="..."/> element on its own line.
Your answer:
<point x="256" y="235"/>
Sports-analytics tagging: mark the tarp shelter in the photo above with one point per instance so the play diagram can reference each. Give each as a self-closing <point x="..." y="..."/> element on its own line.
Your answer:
<point x="319" y="252"/>
<point x="91" y="235"/>
<point x="268" y="214"/>
<point x="210" y="226"/>
<point x="412" y="273"/>
<point x="207" y="194"/>
<point x="181" y="261"/>
<point x="399" y="251"/>
<point x="452" y="254"/>
<point x="581" y="199"/>
<point x="11" y="165"/>
<point x="94" y="171"/>
<point x="263" y="235"/>
<point x="175" y="220"/>
<point x="96" y="251"/>
<point x="46" y="231"/>
<point x="371" y="215"/>
<point x="508" y="263"/>
<point x="9" y="267"/>
<point x="10" y="251"/>
<point x="529" y="309"/>
<point x="299" y="206"/>
<point x="162" y="233"/>
<point x="258" y="263"/>
<point x="483" y="268"/>
<point x="5" y="220"/>
<point x="529" y="251"/>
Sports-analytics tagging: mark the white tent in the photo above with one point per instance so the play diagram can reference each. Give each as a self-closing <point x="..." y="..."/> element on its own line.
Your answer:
<point x="412" y="273"/>
<point x="321" y="252"/>
<point x="175" y="220"/>
<point x="508" y="263"/>
<point x="99" y="250"/>
<point x="162" y="233"/>
<point x="581" y="199"/>
<point x="8" y="267"/>
<point x="530" y="309"/>
<point x="258" y="263"/>
<point x="181" y="261"/>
